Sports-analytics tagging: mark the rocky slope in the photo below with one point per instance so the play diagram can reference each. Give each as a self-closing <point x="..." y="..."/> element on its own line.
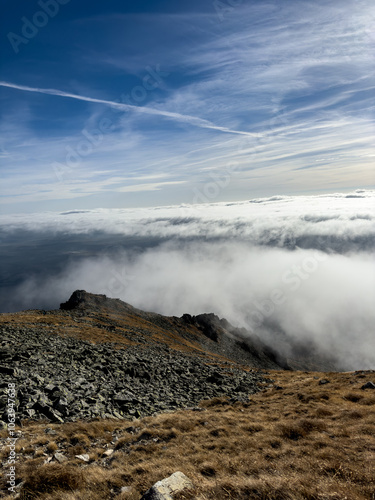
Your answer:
<point x="100" y="357"/>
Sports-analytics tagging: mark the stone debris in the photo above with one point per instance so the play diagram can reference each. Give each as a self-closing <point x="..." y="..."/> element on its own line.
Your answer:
<point x="65" y="379"/>
<point x="126" y="489"/>
<point x="167" y="488"/>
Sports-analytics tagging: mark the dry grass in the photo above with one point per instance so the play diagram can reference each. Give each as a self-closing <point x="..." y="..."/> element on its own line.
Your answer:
<point x="304" y="441"/>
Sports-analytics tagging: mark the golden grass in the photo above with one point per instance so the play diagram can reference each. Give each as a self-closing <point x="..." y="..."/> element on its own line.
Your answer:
<point x="304" y="441"/>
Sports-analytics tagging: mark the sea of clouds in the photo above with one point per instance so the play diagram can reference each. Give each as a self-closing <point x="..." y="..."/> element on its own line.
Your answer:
<point x="303" y="266"/>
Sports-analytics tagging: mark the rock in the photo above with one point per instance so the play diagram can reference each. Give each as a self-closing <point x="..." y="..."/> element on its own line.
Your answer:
<point x="108" y="452"/>
<point x="323" y="381"/>
<point x="60" y="457"/>
<point x="50" y="431"/>
<point x="85" y="457"/>
<point x="126" y="489"/>
<point x="368" y="385"/>
<point x="167" y="488"/>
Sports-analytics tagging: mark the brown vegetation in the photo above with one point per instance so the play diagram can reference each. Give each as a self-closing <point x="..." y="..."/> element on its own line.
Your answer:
<point x="296" y="439"/>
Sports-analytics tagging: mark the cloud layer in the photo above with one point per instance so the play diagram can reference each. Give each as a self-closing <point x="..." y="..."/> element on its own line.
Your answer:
<point x="338" y="222"/>
<point x="301" y="267"/>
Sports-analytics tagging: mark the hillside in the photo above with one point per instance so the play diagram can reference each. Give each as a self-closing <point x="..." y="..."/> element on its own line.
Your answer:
<point x="109" y="399"/>
<point x="302" y="436"/>
<point x="100" y="357"/>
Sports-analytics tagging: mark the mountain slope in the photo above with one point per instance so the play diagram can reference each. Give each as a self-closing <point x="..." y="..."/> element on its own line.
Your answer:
<point x="203" y="334"/>
<point x="100" y="357"/>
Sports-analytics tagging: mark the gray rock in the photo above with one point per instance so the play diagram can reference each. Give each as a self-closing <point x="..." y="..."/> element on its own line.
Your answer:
<point x="62" y="380"/>
<point x="108" y="452"/>
<point x="50" y="431"/>
<point x="126" y="489"/>
<point x="368" y="385"/>
<point x="167" y="488"/>
<point x="323" y="381"/>
<point x="60" y="457"/>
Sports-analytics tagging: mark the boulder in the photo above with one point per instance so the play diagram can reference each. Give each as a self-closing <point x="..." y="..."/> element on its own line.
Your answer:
<point x="108" y="452"/>
<point x="368" y="385"/>
<point x="323" y="381"/>
<point x="167" y="488"/>
<point x="60" y="457"/>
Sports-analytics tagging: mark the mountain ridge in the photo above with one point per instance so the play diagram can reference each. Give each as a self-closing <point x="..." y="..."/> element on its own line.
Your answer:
<point x="98" y="357"/>
<point x="216" y="336"/>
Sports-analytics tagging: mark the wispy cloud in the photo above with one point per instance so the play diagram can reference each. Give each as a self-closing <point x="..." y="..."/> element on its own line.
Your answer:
<point x="289" y="84"/>
<point x="192" y="120"/>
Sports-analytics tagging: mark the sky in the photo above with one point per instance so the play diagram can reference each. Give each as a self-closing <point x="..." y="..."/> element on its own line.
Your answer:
<point x="123" y="104"/>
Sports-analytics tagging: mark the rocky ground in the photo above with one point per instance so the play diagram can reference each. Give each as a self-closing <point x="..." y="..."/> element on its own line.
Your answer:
<point x="109" y="399"/>
<point x="99" y="357"/>
<point x="304" y="435"/>
<point x="65" y="379"/>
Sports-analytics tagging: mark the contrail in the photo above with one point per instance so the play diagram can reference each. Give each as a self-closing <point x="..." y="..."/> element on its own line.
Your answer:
<point x="192" y="120"/>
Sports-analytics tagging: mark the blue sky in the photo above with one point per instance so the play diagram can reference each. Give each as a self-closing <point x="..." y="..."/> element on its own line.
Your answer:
<point x="143" y="103"/>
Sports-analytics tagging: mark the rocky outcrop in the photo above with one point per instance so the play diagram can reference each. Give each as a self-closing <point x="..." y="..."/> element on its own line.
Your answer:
<point x="237" y="343"/>
<point x="207" y="331"/>
<point x="101" y="357"/>
<point x="90" y="302"/>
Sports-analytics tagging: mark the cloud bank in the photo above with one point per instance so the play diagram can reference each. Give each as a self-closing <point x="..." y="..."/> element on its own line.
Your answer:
<point x="296" y="266"/>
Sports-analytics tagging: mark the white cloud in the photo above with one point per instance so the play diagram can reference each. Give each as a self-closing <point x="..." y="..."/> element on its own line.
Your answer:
<point x="151" y="186"/>
<point x="300" y="266"/>
<point x="344" y="220"/>
<point x="331" y="305"/>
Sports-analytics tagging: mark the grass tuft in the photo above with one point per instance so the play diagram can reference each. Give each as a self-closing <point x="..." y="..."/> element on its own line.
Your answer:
<point x="51" y="477"/>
